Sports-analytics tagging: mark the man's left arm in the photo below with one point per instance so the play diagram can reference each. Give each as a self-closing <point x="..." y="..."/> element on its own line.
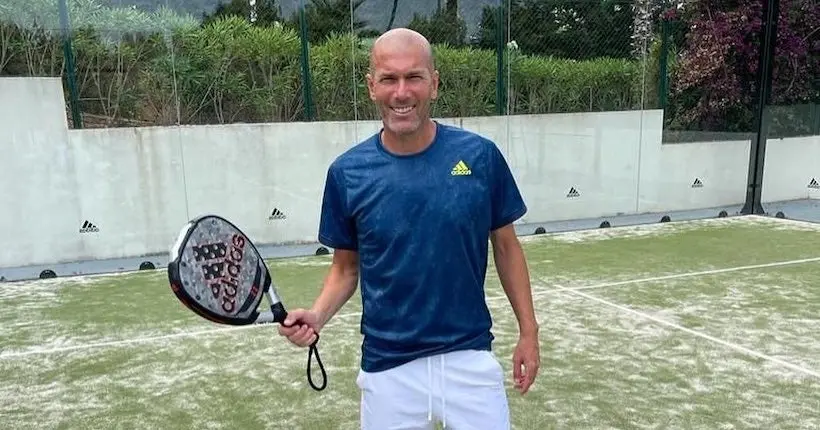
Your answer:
<point x="508" y="206"/>
<point x="511" y="266"/>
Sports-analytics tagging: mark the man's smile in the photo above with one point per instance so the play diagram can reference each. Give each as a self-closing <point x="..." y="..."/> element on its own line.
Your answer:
<point x="402" y="109"/>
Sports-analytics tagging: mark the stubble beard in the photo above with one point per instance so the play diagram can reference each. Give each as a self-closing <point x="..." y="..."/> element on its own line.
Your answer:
<point x="405" y="127"/>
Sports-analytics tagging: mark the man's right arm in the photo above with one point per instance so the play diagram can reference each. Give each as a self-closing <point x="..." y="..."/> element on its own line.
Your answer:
<point x="302" y="325"/>
<point x="337" y="229"/>
<point x="339" y="285"/>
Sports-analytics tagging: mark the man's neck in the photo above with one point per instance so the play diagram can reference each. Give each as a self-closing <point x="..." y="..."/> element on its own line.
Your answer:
<point x="411" y="143"/>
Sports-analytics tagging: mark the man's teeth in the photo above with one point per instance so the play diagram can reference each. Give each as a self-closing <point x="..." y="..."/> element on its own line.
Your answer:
<point x="403" y="109"/>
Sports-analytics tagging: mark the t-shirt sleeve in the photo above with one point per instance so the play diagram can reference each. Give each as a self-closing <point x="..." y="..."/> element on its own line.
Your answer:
<point x="336" y="226"/>
<point x="507" y="203"/>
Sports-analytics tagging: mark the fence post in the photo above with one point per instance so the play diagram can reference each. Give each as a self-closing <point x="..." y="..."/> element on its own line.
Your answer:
<point x="663" y="81"/>
<point x="74" y="98"/>
<point x="500" y="45"/>
<point x="757" y="154"/>
<point x="307" y="84"/>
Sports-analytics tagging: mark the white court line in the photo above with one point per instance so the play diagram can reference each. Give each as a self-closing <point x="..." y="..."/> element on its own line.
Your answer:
<point x="690" y="331"/>
<point x="687" y="275"/>
<point x="146" y="339"/>
<point x="500" y="297"/>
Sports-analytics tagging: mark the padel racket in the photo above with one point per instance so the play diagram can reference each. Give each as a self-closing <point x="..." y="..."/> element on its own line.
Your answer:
<point x="217" y="272"/>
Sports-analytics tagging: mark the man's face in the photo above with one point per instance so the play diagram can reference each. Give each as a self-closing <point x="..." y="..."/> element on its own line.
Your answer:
<point x="402" y="85"/>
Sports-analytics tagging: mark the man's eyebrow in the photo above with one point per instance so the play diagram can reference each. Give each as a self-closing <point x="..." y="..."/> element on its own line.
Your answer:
<point x="419" y="71"/>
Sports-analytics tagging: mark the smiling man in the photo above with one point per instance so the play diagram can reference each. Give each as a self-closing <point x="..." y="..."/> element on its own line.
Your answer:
<point x="403" y="83"/>
<point x="409" y="213"/>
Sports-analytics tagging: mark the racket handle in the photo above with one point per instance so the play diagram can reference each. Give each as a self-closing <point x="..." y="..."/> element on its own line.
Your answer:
<point x="279" y="313"/>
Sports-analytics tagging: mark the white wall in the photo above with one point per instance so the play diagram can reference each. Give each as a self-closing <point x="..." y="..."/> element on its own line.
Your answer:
<point x="138" y="186"/>
<point x="596" y="154"/>
<point x="261" y="168"/>
<point x="668" y="173"/>
<point x="39" y="200"/>
<point x="130" y="185"/>
<point x="791" y="164"/>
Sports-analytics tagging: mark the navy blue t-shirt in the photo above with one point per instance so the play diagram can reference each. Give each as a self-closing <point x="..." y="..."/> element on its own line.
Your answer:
<point x="421" y="226"/>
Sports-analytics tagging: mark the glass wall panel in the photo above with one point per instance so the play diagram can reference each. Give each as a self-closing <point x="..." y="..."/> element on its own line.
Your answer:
<point x="791" y="117"/>
<point x="578" y="78"/>
<point x="611" y="120"/>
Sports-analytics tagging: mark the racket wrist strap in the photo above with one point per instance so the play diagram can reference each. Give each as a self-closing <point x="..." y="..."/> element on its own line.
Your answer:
<point x="313" y="351"/>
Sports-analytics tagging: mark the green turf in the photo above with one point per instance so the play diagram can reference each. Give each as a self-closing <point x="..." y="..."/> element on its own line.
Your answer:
<point x="121" y="352"/>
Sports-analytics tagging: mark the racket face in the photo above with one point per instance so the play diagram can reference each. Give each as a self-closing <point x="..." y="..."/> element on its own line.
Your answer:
<point x="217" y="272"/>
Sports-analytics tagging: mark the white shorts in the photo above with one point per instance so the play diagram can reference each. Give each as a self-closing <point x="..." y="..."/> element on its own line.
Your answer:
<point x="462" y="390"/>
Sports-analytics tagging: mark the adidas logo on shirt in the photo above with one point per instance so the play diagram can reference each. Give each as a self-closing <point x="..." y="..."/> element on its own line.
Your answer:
<point x="814" y="183"/>
<point x="461" y="169"/>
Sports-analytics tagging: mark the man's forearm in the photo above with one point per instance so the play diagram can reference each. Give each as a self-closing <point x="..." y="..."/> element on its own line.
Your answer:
<point x="339" y="286"/>
<point x="512" y="271"/>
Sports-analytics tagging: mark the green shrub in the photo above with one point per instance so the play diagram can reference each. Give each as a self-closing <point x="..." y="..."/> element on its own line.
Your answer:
<point x="168" y="69"/>
<point x="548" y="85"/>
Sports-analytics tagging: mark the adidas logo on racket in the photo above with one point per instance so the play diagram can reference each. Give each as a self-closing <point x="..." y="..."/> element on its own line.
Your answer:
<point x="216" y="272"/>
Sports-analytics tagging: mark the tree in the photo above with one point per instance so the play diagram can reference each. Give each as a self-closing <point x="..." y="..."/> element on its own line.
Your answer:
<point x="326" y="17"/>
<point x="266" y="13"/>
<point x="716" y="83"/>
<point x="444" y="26"/>
<point x="565" y="29"/>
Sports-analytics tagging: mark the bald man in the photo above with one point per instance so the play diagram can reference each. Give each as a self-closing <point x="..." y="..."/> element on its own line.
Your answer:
<point x="409" y="211"/>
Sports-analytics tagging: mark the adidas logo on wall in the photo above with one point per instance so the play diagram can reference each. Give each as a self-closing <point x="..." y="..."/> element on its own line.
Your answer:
<point x="88" y="227"/>
<point x="573" y="192"/>
<point x="277" y="214"/>
<point x="814" y="184"/>
<point x="697" y="183"/>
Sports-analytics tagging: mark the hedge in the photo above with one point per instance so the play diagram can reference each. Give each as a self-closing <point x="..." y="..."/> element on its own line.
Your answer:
<point x="229" y="70"/>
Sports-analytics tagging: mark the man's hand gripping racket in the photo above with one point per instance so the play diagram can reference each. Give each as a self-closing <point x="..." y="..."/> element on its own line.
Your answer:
<point x="217" y="272"/>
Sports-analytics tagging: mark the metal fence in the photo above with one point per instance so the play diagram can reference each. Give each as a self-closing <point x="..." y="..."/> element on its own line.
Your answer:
<point x="160" y="62"/>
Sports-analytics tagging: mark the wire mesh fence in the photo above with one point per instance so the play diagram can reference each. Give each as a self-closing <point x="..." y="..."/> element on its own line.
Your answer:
<point x="146" y="62"/>
<point x="572" y="56"/>
<point x="712" y="53"/>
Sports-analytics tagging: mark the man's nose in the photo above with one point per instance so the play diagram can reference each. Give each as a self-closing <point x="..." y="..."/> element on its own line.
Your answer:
<point x="403" y="89"/>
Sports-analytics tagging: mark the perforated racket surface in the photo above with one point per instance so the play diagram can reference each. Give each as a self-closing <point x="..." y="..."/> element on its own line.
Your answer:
<point x="217" y="272"/>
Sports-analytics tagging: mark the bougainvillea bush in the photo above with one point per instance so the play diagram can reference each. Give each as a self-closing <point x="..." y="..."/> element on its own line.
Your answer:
<point x="714" y="86"/>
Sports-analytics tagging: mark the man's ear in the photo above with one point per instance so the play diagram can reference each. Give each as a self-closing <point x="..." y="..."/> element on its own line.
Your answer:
<point x="369" y="79"/>
<point x="434" y="93"/>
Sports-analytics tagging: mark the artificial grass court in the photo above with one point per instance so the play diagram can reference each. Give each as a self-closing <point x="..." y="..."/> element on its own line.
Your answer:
<point x="706" y="324"/>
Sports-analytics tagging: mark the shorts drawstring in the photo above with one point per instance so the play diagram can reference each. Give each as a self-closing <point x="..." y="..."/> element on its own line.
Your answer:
<point x="430" y="391"/>
<point x="443" y="395"/>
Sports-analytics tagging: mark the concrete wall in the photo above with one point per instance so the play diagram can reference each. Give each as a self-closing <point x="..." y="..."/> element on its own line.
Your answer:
<point x="792" y="169"/>
<point x="39" y="194"/>
<point x="693" y="175"/>
<point x="109" y="193"/>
